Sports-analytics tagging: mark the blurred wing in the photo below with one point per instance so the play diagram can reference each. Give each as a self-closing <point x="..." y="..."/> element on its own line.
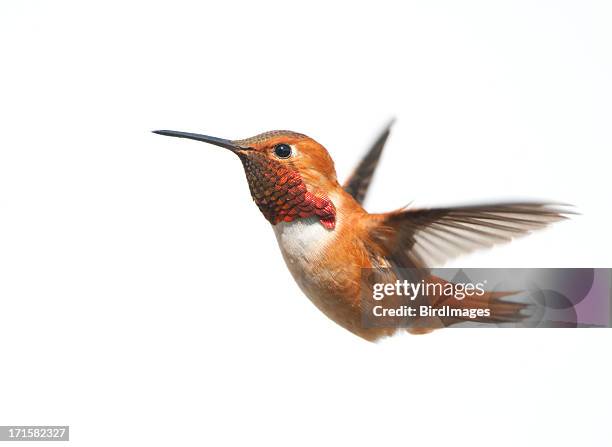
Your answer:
<point x="359" y="181"/>
<point x="428" y="238"/>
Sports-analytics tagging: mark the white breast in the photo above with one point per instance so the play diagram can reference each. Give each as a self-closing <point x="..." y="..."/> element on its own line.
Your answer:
<point x="302" y="240"/>
<point x="302" y="243"/>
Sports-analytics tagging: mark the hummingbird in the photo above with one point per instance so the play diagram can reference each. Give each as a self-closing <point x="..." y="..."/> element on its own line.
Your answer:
<point x="327" y="238"/>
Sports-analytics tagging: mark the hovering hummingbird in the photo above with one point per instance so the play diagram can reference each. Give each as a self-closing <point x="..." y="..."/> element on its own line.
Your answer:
<point x="326" y="237"/>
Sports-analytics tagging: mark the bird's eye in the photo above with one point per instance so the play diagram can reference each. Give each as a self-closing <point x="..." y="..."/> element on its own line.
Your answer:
<point x="282" y="150"/>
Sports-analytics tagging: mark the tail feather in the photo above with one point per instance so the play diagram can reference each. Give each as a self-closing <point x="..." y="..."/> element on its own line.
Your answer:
<point x="493" y="306"/>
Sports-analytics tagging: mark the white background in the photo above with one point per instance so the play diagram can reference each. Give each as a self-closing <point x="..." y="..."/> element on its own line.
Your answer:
<point x="143" y="298"/>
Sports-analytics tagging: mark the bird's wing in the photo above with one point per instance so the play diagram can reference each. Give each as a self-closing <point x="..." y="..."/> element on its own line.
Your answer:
<point x="430" y="237"/>
<point x="359" y="181"/>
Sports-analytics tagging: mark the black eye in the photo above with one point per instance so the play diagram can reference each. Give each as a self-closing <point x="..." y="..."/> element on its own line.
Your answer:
<point x="282" y="150"/>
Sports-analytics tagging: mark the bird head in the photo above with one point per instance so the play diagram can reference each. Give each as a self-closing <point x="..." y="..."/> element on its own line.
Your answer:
<point x="289" y="174"/>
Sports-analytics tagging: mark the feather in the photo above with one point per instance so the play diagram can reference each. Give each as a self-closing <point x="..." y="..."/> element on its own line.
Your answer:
<point x="429" y="237"/>
<point x="358" y="183"/>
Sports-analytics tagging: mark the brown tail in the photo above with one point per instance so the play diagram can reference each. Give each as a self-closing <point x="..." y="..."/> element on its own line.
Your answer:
<point x="488" y="307"/>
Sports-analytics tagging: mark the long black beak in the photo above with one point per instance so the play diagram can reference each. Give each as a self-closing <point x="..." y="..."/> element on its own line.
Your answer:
<point x="228" y="144"/>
